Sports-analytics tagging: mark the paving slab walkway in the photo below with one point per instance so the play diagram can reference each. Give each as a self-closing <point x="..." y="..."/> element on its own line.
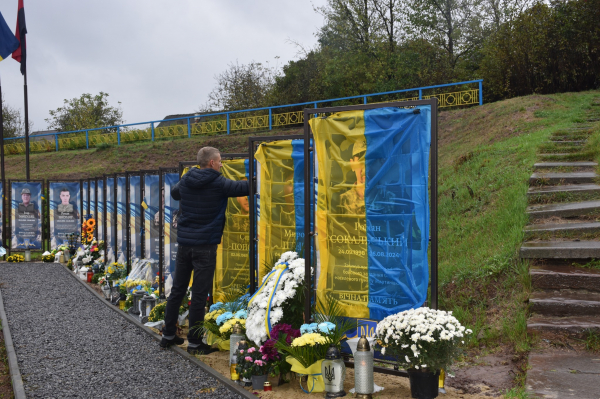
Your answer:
<point x="70" y="345"/>
<point x="560" y="374"/>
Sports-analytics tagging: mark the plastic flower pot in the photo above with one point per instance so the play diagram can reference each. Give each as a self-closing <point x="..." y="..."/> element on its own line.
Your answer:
<point x="423" y="384"/>
<point x="258" y="381"/>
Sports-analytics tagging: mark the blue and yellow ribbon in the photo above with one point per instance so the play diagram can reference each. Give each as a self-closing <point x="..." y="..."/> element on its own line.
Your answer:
<point x="277" y="272"/>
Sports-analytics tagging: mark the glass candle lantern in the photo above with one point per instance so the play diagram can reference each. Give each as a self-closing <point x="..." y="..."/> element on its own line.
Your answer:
<point x="267" y="386"/>
<point x="147" y="303"/>
<point x="333" y="370"/>
<point x="137" y="297"/>
<point x="363" y="370"/>
<point x="106" y="291"/>
<point x="234" y="341"/>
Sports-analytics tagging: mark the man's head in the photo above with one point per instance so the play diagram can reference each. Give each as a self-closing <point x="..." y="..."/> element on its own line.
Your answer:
<point x="65" y="196"/>
<point x="209" y="157"/>
<point x="25" y="196"/>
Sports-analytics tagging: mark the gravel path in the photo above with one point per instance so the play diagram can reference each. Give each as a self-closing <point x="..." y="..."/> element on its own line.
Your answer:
<point x="70" y="345"/>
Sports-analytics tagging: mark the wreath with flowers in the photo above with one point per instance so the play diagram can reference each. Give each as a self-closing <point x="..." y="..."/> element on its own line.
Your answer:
<point x="279" y="298"/>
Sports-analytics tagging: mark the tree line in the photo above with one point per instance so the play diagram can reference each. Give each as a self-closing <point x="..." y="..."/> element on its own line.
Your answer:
<point x="518" y="47"/>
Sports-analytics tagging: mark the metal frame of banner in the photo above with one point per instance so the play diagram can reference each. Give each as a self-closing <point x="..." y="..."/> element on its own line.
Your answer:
<point x="183" y="164"/>
<point x="48" y="182"/>
<point x="252" y="216"/>
<point x="161" y="227"/>
<point x="9" y="250"/>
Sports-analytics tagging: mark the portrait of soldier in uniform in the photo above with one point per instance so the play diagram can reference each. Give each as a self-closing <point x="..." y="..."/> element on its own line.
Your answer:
<point x="27" y="232"/>
<point x="352" y="202"/>
<point x="66" y="215"/>
<point x="66" y="208"/>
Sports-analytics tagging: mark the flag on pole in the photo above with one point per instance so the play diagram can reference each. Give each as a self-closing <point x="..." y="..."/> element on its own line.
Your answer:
<point x="8" y="41"/>
<point x="20" y="53"/>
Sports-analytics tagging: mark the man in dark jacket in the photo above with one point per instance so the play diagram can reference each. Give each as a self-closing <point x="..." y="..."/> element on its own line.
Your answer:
<point x="202" y="194"/>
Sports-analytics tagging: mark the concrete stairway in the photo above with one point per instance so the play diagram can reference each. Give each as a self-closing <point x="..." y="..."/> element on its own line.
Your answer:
<point x="564" y="206"/>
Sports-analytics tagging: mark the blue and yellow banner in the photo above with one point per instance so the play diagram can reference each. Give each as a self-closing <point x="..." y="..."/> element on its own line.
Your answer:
<point x="1" y="212"/>
<point x="110" y="221"/>
<point x="151" y="217"/>
<point x="85" y="199"/>
<point x="135" y="216"/>
<point x="26" y="215"/>
<point x="93" y="199"/>
<point x="170" y="215"/>
<point x="280" y="203"/>
<point x="8" y="41"/>
<point x="121" y="219"/>
<point x="372" y="218"/>
<point x="100" y="210"/>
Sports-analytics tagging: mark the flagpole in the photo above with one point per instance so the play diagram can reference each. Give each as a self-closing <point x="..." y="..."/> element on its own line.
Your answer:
<point x="26" y="125"/>
<point x="2" y="141"/>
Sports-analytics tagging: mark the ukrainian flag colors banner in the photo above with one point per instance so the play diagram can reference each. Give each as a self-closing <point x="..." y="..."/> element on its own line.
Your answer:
<point x="121" y="219"/>
<point x="85" y="199"/>
<point x="372" y="217"/>
<point x="93" y="198"/>
<point x="110" y="221"/>
<point x="151" y="217"/>
<point x="135" y="216"/>
<point x="101" y="213"/>
<point x="170" y="224"/>
<point x="280" y="203"/>
<point x="26" y="215"/>
<point x="233" y="262"/>
<point x="1" y="213"/>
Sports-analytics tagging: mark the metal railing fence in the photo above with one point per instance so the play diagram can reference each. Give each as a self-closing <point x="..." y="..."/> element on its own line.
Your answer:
<point x="228" y="121"/>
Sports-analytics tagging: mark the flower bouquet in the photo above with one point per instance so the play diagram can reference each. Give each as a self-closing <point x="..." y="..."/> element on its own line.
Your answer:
<point x="280" y="298"/>
<point x="423" y="341"/>
<point x="219" y="321"/>
<point x="286" y="333"/>
<point x="253" y="363"/>
<point x="16" y="258"/>
<point x="115" y="272"/>
<point x="87" y="231"/>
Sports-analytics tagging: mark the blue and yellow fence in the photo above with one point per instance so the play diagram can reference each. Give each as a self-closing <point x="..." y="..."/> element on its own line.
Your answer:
<point x="232" y="121"/>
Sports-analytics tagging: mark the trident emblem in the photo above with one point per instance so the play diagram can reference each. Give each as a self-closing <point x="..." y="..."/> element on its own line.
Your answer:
<point x="329" y="373"/>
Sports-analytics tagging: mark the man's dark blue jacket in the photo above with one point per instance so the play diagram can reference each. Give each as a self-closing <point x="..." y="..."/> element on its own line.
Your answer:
<point x="202" y="196"/>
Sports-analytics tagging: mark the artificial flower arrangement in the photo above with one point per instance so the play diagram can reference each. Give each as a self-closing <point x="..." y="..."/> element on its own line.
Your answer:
<point x="87" y="231"/>
<point x="16" y="258"/>
<point x="421" y="339"/>
<point x="48" y="258"/>
<point x="92" y="253"/>
<point x="219" y="321"/>
<point x="158" y="312"/>
<point x="279" y="299"/>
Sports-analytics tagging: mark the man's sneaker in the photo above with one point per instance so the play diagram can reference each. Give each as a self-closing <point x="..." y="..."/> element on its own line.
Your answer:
<point x="165" y="343"/>
<point x="202" y="349"/>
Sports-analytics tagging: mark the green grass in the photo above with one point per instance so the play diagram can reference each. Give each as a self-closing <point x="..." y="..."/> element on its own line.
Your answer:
<point x="481" y="278"/>
<point x="516" y="393"/>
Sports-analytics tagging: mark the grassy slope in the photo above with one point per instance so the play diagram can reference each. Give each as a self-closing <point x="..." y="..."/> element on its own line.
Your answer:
<point x="490" y="149"/>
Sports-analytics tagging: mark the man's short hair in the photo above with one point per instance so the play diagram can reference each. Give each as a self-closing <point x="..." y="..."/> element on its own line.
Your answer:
<point x="62" y="190"/>
<point x="205" y="155"/>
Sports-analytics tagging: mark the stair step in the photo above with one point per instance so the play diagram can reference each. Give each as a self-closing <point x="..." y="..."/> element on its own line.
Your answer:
<point x="573" y="178"/>
<point x="554" y="156"/>
<point x="588" y="227"/>
<point x="568" y="142"/>
<point x="558" y="277"/>
<point x="560" y="250"/>
<point x="565" y="303"/>
<point x="568" y="188"/>
<point x="571" y="209"/>
<point x="580" y="164"/>
<point x="574" y="325"/>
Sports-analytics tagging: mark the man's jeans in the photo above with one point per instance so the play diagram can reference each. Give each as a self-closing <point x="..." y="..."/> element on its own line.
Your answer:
<point x="202" y="260"/>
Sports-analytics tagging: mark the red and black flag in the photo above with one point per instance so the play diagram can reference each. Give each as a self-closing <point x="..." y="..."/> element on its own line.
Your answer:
<point x="20" y="53"/>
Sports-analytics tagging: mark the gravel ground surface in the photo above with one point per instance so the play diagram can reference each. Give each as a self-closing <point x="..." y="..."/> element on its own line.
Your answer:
<point x="70" y="345"/>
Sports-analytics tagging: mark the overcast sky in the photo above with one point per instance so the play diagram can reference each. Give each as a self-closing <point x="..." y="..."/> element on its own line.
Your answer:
<point x="155" y="57"/>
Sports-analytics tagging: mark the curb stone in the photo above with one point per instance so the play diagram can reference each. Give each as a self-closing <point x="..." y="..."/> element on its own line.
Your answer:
<point x="209" y="370"/>
<point x="13" y="364"/>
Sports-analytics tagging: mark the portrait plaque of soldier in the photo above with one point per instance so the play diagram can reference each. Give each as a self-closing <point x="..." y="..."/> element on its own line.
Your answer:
<point x="64" y="212"/>
<point x="27" y="229"/>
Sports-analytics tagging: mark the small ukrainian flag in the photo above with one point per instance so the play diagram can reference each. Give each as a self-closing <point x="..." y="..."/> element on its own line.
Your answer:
<point x="8" y="41"/>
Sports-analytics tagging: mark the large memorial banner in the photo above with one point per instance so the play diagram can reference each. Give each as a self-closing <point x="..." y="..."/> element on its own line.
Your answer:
<point x="26" y="215"/>
<point x="100" y="209"/>
<point x="64" y="211"/>
<point x="232" y="272"/>
<point x="92" y="211"/>
<point x="85" y="198"/>
<point x="110" y="220"/>
<point x="121" y="188"/>
<point x="135" y="216"/>
<point x="151" y="216"/>
<point x="171" y="213"/>
<point x="372" y="218"/>
<point x="280" y="178"/>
